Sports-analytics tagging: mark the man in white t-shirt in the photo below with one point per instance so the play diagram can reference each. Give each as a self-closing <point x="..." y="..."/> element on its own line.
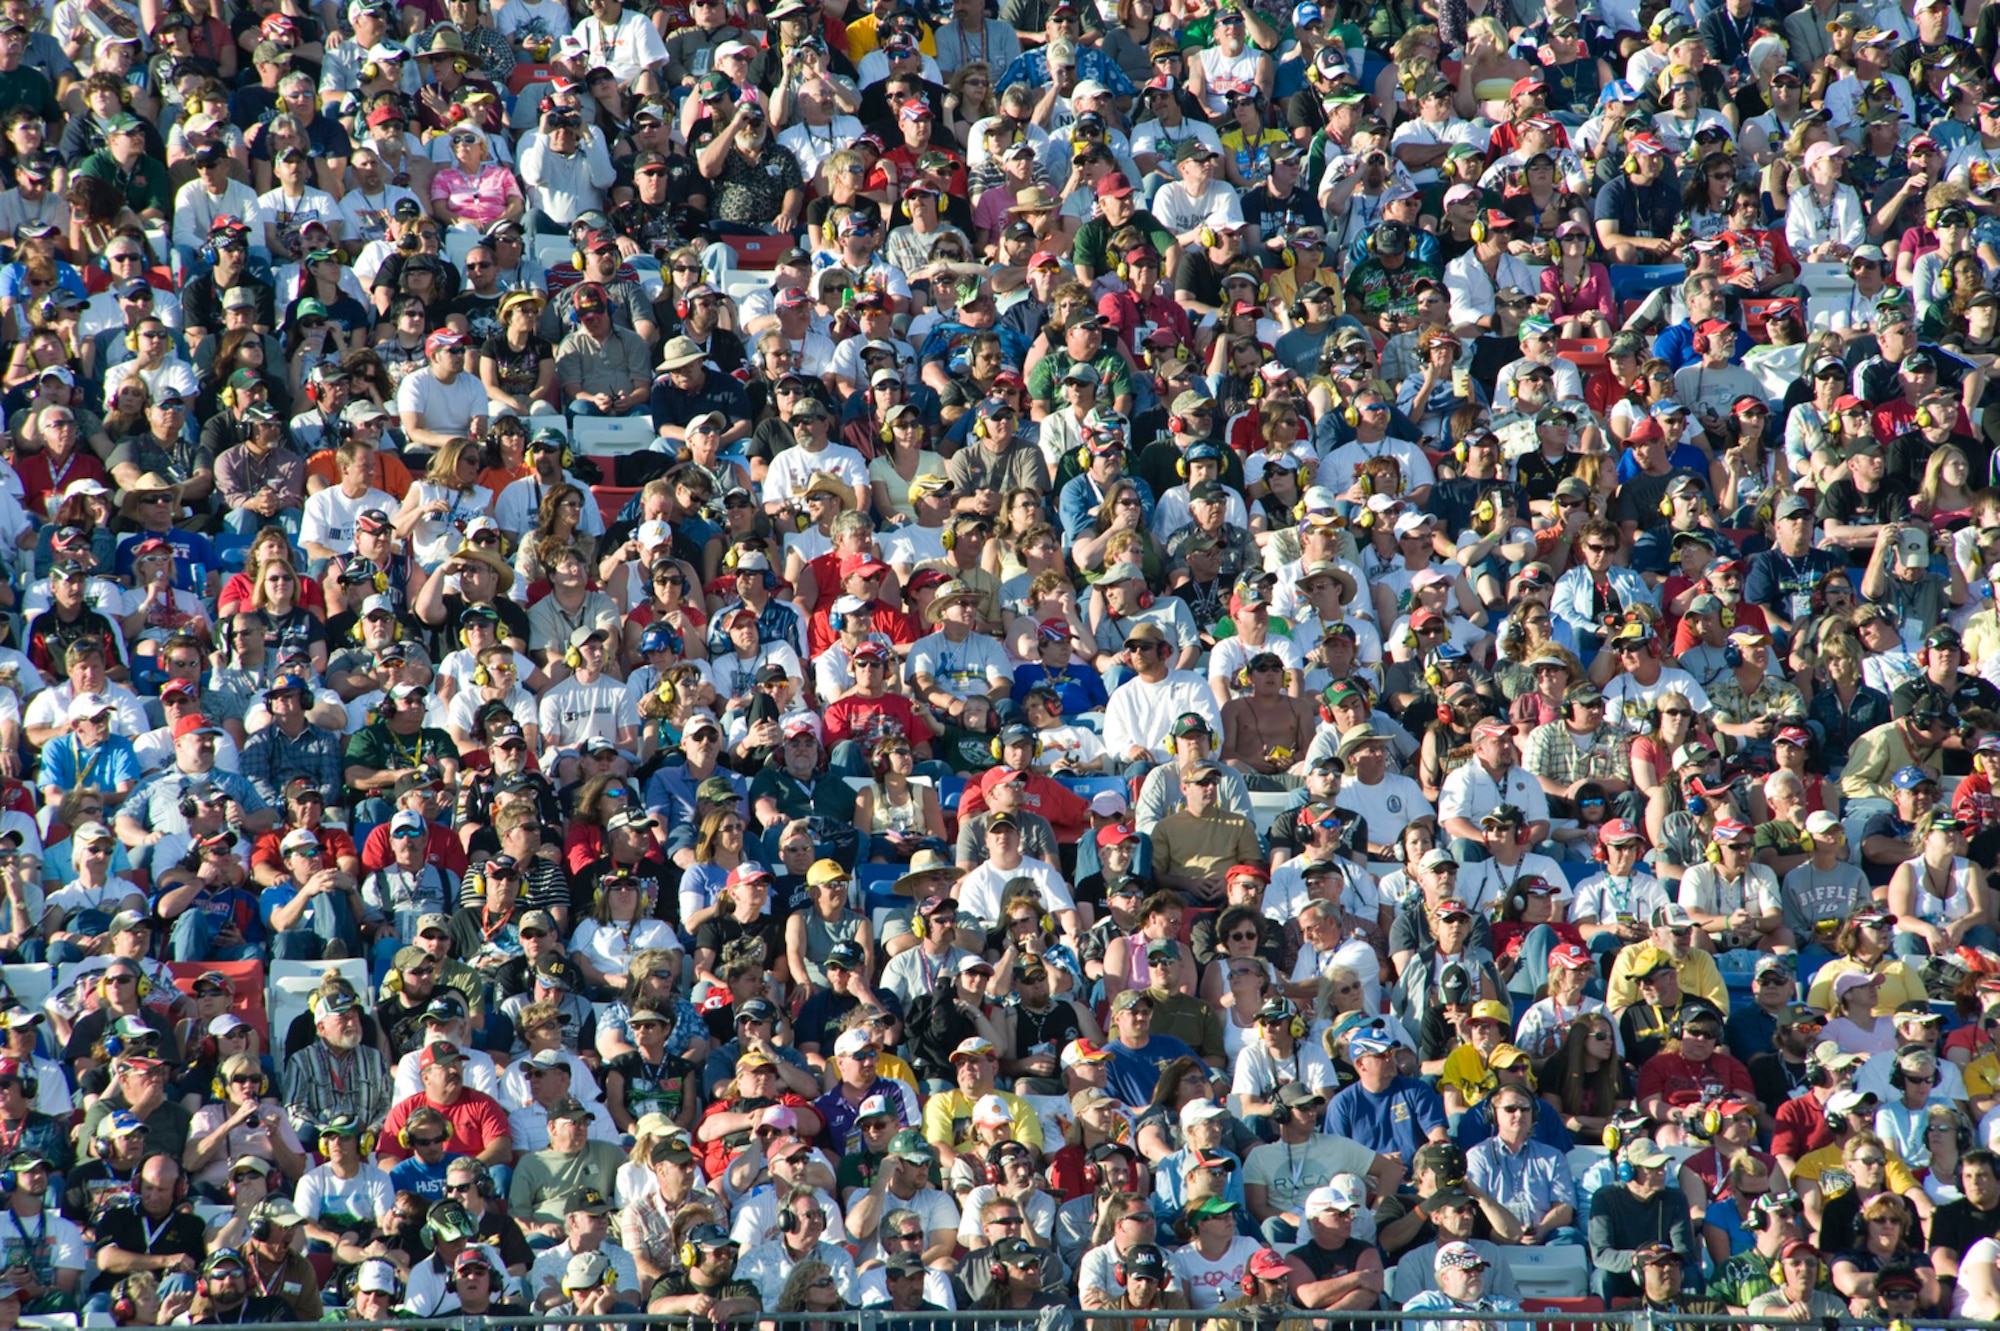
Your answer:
<point x="1509" y="865"/>
<point x="588" y="706"/>
<point x="1141" y="709"/>
<point x="1387" y="801"/>
<point x="445" y="399"/>
<point x="979" y="891"/>
<point x="955" y="662"/>
<point x="1491" y="779"/>
<point x="332" y="515"/>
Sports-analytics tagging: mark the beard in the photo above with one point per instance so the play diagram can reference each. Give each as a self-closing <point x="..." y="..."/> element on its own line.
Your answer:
<point x="346" y="1042"/>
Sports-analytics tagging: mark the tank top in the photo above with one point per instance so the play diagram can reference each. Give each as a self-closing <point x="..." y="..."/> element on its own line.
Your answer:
<point x="821" y="936"/>
<point x="1943" y="910"/>
<point x="904" y="817"/>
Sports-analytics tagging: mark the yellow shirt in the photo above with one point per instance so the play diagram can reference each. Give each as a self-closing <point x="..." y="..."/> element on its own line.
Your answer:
<point x="1465" y="1070"/>
<point x="1878" y="755"/>
<point x="1698" y="977"/>
<point x="1900" y="985"/>
<point x="1981" y="1075"/>
<point x="861" y="40"/>
<point x="948" y="1120"/>
<point x="1815" y="1163"/>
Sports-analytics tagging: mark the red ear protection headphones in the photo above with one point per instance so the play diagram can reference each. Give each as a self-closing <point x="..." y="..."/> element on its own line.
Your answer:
<point x="996" y="1160"/>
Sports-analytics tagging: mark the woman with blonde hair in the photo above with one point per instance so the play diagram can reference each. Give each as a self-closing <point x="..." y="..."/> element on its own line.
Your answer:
<point x="1945" y="498"/>
<point x="438" y="507"/>
<point x="279" y="592"/>
<point x="1940" y="899"/>
<point x="969" y="99"/>
<point x="1746" y="1178"/>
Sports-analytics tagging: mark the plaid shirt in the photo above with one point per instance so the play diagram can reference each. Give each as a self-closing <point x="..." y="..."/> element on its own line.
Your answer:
<point x="318" y="1089"/>
<point x="1555" y="753"/>
<point x="271" y="758"/>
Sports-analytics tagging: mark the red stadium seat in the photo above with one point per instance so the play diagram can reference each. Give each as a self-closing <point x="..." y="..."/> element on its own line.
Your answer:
<point x="757" y="252"/>
<point x="247" y="976"/>
<point x="1583" y="1306"/>
<point x="611" y="498"/>
<point x="1586" y="353"/>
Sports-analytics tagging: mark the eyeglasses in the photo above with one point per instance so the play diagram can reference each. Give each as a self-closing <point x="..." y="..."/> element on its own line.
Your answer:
<point x="427" y="1141"/>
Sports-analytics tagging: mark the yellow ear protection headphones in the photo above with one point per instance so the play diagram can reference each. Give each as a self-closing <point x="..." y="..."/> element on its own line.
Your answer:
<point x="1295" y="1021"/>
<point x="403" y="1133"/>
<point x="1485" y="510"/>
<point x="220" y="1094"/>
<point x="995" y="745"/>
<point x="1479" y="230"/>
<point x="1925" y="417"/>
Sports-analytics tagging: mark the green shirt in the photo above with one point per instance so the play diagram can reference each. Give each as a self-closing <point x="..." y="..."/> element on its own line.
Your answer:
<point x="29" y="87"/>
<point x="1049" y="370"/>
<point x="1092" y="249"/>
<point x="374" y="746"/>
<point x="145" y="186"/>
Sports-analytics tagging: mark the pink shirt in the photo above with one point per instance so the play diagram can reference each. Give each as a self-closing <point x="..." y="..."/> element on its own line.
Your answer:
<point x="479" y="201"/>
<point x="1593" y="295"/>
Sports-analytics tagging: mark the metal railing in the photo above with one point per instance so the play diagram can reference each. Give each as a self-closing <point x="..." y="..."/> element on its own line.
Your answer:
<point x="1077" y="1319"/>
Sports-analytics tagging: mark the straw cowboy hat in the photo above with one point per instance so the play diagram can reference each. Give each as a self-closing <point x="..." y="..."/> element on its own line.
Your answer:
<point x="495" y="562"/>
<point x="950" y="592"/>
<point x="149" y="484"/>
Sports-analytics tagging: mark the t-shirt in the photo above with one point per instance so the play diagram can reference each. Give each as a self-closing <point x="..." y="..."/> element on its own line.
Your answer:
<point x="345" y="1203"/>
<point x="1394" y="1122"/>
<point x="1209" y="1279"/>
<point x="128" y="1230"/>
<point x="1134" y="1072"/>
<point x="658" y="1086"/>
<point x="1288" y="1173"/>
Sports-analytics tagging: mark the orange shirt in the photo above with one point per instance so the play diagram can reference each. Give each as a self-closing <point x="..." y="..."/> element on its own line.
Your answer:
<point x="392" y="476"/>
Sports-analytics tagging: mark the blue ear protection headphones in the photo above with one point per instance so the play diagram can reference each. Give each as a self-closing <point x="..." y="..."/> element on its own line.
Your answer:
<point x="1732" y="656"/>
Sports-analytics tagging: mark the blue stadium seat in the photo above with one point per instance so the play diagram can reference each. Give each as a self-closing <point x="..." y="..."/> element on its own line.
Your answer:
<point x="1090" y="787"/>
<point x="950" y="791"/>
<point x="1629" y="281"/>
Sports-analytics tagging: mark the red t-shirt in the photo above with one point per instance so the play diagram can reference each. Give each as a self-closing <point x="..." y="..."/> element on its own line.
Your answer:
<point x="443" y="851"/>
<point x="1684" y="1082"/>
<point x="890" y="622"/>
<point x="476" y="1120"/>
<point x="716" y="1155"/>
<point x="1743" y="614"/>
<point x="1801" y="1128"/>
<point x="868" y="719"/>
<point x="1973" y="803"/>
<point x="1068" y="812"/>
<point x="332" y="840"/>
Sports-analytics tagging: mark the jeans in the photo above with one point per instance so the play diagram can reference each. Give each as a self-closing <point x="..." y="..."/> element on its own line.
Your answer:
<point x="243" y="522"/>
<point x="1279" y="1232"/>
<point x="1910" y="945"/>
<point x="1467" y="851"/>
<point x="1531" y="973"/>
<point x="582" y="407"/>
<point x="193" y="939"/>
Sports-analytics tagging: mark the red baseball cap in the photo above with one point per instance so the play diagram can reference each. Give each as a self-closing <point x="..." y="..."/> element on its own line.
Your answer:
<point x="1570" y="957"/>
<point x="1116" y="834"/>
<point x="1113" y="185"/>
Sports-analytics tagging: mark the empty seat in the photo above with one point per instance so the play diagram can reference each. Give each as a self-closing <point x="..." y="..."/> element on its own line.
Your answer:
<point x="612" y="498"/>
<point x="1556" y="1272"/>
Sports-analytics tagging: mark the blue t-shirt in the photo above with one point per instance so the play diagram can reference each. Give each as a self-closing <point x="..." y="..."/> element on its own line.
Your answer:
<point x="1135" y="1072"/>
<point x="1394" y="1123"/>
<point x="427" y="1181"/>
<point x="1081" y="688"/>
